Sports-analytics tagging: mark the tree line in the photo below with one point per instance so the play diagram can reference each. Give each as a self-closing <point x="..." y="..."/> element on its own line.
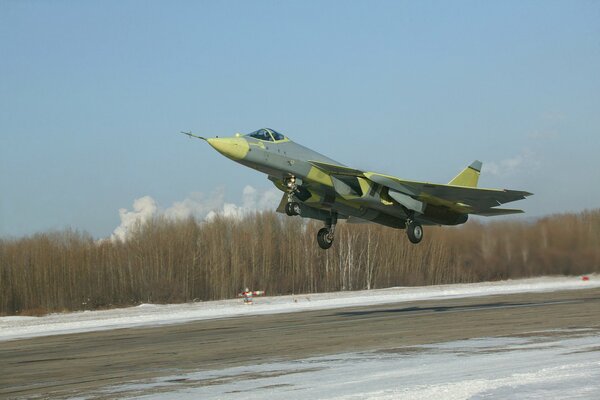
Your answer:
<point x="171" y="261"/>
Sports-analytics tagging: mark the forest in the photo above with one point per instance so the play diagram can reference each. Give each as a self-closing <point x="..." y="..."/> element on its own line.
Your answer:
<point x="172" y="261"/>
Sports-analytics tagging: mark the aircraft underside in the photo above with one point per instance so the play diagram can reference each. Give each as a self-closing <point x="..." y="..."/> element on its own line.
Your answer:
<point x="327" y="205"/>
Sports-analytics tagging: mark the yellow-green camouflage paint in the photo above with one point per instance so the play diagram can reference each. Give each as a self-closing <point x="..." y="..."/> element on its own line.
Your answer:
<point x="460" y="208"/>
<point x="315" y="197"/>
<point x="468" y="177"/>
<point x="318" y="176"/>
<point x="365" y="186"/>
<point x="235" y="148"/>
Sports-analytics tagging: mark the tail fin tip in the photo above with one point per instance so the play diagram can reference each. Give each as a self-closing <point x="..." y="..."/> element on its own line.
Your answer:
<point x="469" y="176"/>
<point x="476" y="165"/>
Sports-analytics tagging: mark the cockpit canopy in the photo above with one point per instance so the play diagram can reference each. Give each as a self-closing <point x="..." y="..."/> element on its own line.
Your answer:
<point x="267" y="134"/>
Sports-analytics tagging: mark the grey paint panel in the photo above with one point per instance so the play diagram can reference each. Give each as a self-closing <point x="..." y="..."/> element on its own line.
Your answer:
<point x="408" y="202"/>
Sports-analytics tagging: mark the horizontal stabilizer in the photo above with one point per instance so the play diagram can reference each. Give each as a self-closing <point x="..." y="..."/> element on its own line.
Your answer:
<point x="492" y="212"/>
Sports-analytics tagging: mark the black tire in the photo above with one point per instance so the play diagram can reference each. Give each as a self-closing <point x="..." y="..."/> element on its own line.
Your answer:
<point x="288" y="209"/>
<point x="414" y="231"/>
<point x="292" y="209"/>
<point x="295" y="208"/>
<point x="323" y="238"/>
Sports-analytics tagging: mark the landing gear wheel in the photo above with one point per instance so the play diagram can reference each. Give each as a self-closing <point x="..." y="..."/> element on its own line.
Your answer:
<point x="414" y="230"/>
<point x="292" y="209"/>
<point x="324" y="238"/>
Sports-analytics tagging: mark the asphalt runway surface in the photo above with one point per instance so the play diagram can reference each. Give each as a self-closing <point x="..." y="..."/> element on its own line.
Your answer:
<point x="67" y="365"/>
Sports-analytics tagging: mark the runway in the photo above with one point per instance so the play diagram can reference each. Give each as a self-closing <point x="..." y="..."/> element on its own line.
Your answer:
<point x="68" y="365"/>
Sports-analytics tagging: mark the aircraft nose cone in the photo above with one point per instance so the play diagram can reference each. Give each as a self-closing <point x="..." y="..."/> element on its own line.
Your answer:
<point x="234" y="148"/>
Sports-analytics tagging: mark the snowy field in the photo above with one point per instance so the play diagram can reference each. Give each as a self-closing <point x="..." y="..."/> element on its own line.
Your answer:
<point x="151" y="315"/>
<point x="557" y="364"/>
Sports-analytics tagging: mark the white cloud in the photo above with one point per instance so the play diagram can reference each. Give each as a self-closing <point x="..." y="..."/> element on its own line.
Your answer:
<point x="196" y="205"/>
<point x="527" y="160"/>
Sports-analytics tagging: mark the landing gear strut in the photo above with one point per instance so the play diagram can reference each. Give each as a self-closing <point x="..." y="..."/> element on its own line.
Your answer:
<point x="326" y="235"/>
<point x="291" y="208"/>
<point x="414" y="230"/>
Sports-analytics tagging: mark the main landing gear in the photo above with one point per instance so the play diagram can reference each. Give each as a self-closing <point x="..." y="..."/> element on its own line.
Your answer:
<point x="326" y="235"/>
<point x="414" y="230"/>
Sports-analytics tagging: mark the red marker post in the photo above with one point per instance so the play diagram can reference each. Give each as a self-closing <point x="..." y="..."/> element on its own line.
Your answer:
<point x="248" y="294"/>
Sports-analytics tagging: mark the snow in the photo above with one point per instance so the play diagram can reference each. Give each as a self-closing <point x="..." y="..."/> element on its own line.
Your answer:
<point x="12" y="327"/>
<point x="550" y="364"/>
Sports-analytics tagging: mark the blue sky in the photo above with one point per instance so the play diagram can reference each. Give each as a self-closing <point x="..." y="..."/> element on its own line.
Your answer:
<point x="92" y="95"/>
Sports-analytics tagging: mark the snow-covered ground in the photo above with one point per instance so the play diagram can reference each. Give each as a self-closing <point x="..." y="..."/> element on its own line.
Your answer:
<point x="556" y="364"/>
<point x="150" y="314"/>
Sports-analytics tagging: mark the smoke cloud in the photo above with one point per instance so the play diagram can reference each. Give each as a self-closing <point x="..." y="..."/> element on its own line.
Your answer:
<point x="197" y="205"/>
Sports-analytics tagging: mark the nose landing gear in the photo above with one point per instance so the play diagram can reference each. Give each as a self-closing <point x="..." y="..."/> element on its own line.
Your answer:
<point x="291" y="208"/>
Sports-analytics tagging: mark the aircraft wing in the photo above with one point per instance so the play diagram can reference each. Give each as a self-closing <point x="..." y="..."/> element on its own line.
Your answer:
<point x="461" y="199"/>
<point x="477" y="199"/>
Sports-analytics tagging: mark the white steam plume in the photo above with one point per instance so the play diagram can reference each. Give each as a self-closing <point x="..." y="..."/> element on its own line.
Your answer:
<point x="196" y="205"/>
<point x="525" y="161"/>
<point x="144" y="208"/>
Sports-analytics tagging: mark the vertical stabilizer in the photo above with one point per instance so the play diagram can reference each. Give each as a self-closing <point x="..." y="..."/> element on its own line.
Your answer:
<point x="469" y="176"/>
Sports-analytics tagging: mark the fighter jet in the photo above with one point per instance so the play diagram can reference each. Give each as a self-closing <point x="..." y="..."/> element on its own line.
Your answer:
<point x="317" y="187"/>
